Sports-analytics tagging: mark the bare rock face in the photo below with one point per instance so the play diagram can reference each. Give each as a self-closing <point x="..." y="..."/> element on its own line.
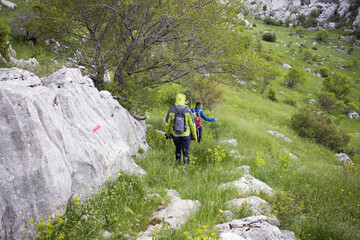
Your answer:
<point x="59" y="138"/>
<point x="284" y="9"/>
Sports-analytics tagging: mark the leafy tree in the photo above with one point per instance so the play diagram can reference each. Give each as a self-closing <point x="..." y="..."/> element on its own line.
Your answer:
<point x="205" y="90"/>
<point x="4" y="45"/>
<point x="338" y="84"/>
<point x="149" y="43"/>
<point x="269" y="74"/>
<point x="322" y="35"/>
<point x="294" y="77"/>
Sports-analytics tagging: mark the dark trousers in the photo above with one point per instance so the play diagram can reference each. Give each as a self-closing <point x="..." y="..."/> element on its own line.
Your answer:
<point x="182" y="144"/>
<point x="199" y="133"/>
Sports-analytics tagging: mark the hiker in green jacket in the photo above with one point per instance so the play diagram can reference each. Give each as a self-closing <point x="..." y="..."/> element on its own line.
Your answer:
<point x="180" y="127"/>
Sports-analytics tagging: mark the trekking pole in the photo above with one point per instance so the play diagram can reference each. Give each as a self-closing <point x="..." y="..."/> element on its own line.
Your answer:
<point x="216" y="133"/>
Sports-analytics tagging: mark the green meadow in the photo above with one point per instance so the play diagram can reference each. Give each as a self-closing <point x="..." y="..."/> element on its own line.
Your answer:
<point x="317" y="196"/>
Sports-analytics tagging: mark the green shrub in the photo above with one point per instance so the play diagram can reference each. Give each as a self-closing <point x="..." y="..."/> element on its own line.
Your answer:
<point x="322" y="35"/>
<point x="324" y="71"/>
<point x="314" y="13"/>
<point x="307" y="55"/>
<point x="357" y="33"/>
<point x="314" y="124"/>
<point x="338" y="84"/>
<point x="302" y="19"/>
<point x="272" y="95"/>
<point x="311" y="22"/>
<point x="270" y="21"/>
<point x="291" y="100"/>
<point x="269" y="37"/>
<point x="253" y="3"/>
<point x="300" y="30"/>
<point x="326" y="99"/>
<point x="4" y="45"/>
<point x="264" y="8"/>
<point x="294" y="77"/>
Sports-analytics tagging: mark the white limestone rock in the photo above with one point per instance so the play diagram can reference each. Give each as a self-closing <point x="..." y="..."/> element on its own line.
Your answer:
<point x="60" y="137"/>
<point x="252" y="228"/>
<point x="8" y="4"/>
<point x="343" y="157"/>
<point x="257" y="206"/>
<point x="175" y="214"/>
<point x="279" y="135"/>
<point x="248" y="184"/>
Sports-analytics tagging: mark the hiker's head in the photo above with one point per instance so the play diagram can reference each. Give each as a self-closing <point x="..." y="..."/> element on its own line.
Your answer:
<point x="180" y="99"/>
<point x="198" y="104"/>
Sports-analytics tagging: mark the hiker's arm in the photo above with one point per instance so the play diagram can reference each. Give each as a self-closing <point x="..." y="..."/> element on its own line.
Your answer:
<point x="168" y="123"/>
<point x="202" y="114"/>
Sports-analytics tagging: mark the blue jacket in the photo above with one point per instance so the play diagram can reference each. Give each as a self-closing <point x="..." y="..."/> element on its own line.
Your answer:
<point x="197" y="109"/>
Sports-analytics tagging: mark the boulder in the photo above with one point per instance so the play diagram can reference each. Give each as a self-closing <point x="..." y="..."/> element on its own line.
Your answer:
<point x="353" y="115"/>
<point x="8" y="4"/>
<point x="343" y="157"/>
<point x="30" y="64"/>
<point x="248" y="184"/>
<point x="257" y="206"/>
<point x="252" y="228"/>
<point x="60" y="138"/>
<point x="175" y="214"/>
<point x="286" y="66"/>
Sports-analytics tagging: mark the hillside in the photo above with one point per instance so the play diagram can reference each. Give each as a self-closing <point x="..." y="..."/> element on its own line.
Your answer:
<point x="316" y="195"/>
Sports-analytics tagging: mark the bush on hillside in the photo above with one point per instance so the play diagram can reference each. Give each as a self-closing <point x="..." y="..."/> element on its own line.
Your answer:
<point x="357" y="33"/>
<point x="322" y="35"/>
<point x="324" y="71"/>
<point x="4" y="45"/>
<point x="314" y="13"/>
<point x="294" y="77"/>
<point x="311" y="22"/>
<point x="307" y="55"/>
<point x="270" y="21"/>
<point x="269" y="37"/>
<point x="314" y="124"/>
<point x="338" y="84"/>
<point x="264" y="8"/>
<point x="302" y="19"/>
<point x="326" y="99"/>
<point x="272" y="95"/>
<point x="253" y="3"/>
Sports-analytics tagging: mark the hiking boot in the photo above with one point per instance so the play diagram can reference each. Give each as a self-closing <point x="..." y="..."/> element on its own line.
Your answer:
<point x="178" y="158"/>
<point x="186" y="161"/>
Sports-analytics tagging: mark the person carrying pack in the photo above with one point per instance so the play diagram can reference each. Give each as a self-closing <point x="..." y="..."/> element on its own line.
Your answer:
<point x="180" y="126"/>
<point x="198" y="115"/>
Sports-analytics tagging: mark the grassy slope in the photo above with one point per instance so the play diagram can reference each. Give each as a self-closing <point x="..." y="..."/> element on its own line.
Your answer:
<point x="315" y="197"/>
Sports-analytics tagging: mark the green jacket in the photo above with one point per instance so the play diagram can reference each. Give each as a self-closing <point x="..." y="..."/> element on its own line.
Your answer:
<point x="180" y="100"/>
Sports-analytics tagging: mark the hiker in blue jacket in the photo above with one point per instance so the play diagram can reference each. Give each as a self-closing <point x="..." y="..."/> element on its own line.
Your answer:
<point x="198" y="114"/>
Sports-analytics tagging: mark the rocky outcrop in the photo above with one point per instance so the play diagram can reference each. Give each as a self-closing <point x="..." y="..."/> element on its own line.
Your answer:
<point x="174" y="215"/>
<point x="285" y="9"/>
<point x="60" y="138"/>
<point x="263" y="224"/>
